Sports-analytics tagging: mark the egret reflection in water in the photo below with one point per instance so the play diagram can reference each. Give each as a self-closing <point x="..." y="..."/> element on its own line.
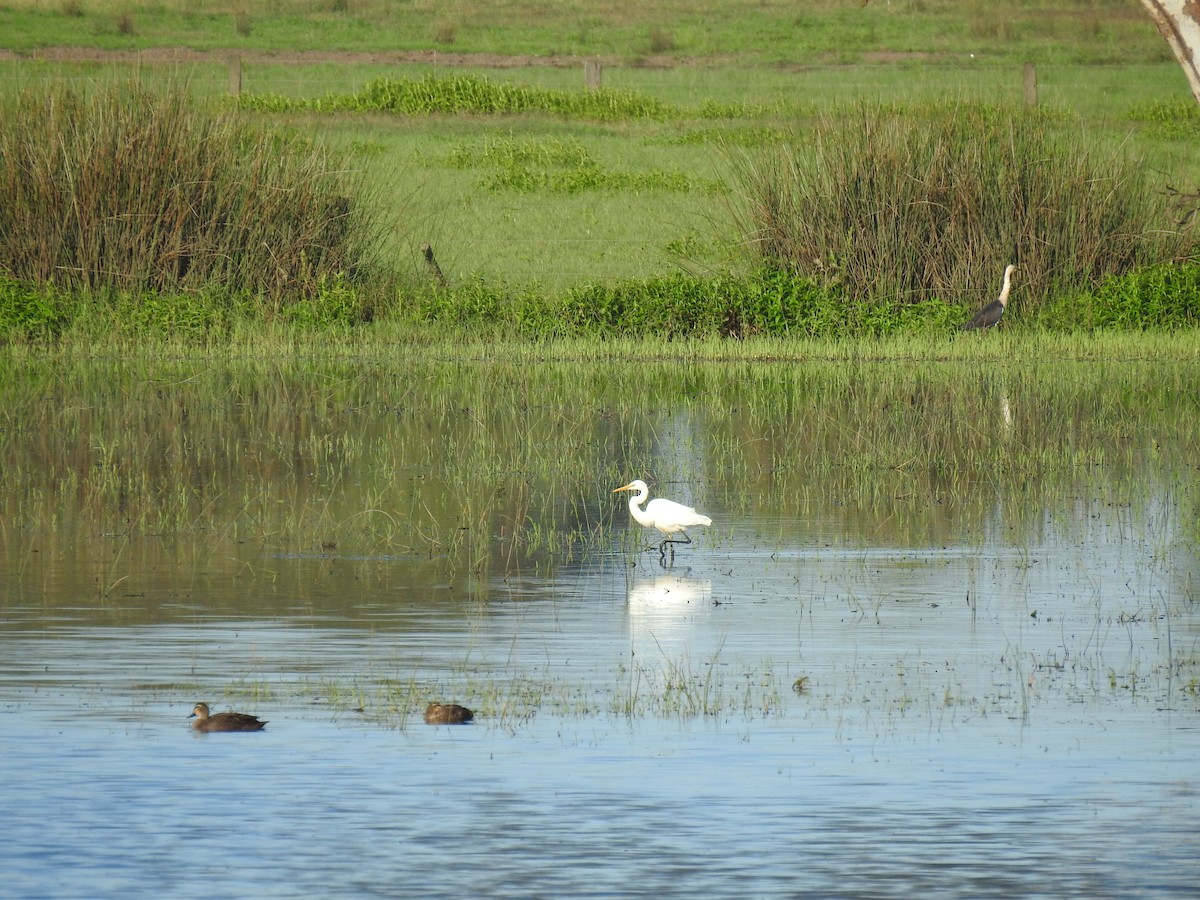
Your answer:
<point x="668" y="612"/>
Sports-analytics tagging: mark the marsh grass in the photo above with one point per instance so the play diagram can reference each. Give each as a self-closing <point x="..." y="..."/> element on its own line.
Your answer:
<point x="127" y="191"/>
<point x="676" y="687"/>
<point x="644" y="209"/>
<point x="670" y="688"/>
<point x="880" y="694"/>
<point x="909" y="205"/>
<point x="504" y="464"/>
<point x="312" y="255"/>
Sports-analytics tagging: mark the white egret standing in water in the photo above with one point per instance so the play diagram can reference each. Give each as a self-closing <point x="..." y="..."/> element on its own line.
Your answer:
<point x="990" y="314"/>
<point x="667" y="516"/>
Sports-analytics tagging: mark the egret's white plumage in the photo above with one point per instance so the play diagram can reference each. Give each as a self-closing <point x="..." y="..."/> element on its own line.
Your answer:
<point x="667" y="516"/>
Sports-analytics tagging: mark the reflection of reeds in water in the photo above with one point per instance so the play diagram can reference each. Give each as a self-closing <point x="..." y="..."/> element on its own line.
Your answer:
<point x="472" y="468"/>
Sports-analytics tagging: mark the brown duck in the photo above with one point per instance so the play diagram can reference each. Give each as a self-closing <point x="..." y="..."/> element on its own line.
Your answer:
<point x="226" y="721"/>
<point x="447" y="714"/>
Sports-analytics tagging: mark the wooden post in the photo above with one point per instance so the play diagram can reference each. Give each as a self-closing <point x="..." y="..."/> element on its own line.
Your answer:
<point x="592" y="74"/>
<point x="1029" y="81"/>
<point x="235" y="74"/>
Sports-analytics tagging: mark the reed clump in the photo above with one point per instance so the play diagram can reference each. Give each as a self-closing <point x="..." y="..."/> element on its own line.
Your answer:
<point x="904" y="204"/>
<point x="120" y="188"/>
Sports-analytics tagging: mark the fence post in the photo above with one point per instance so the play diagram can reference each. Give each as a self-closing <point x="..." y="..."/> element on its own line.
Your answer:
<point x="1029" y="82"/>
<point x="235" y="74"/>
<point x="592" y="74"/>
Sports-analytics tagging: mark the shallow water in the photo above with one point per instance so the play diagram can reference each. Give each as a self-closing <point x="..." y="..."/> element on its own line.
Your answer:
<point x="941" y="745"/>
<point x="908" y="698"/>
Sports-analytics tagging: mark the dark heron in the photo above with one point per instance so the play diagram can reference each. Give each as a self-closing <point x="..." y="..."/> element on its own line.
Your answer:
<point x="226" y="721"/>
<point x="990" y="314"/>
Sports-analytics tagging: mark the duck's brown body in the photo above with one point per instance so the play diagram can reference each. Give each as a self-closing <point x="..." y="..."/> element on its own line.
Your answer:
<point x="447" y="714"/>
<point x="226" y="721"/>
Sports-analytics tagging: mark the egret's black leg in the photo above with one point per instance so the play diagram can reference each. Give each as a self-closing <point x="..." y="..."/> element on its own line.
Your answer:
<point x="686" y="539"/>
<point x="671" y="542"/>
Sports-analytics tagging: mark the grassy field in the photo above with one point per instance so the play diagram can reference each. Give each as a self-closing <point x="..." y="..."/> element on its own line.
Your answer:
<point x="544" y="201"/>
<point x="722" y="32"/>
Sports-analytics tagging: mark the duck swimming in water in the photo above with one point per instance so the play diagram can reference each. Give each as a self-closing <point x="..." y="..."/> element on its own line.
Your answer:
<point x="447" y="714"/>
<point x="226" y="721"/>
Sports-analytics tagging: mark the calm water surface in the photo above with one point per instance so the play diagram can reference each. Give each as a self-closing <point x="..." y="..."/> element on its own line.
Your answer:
<point x="949" y="741"/>
<point x="808" y="701"/>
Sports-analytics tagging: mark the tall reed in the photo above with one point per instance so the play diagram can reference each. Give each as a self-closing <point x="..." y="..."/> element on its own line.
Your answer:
<point x="907" y="204"/>
<point x="122" y="188"/>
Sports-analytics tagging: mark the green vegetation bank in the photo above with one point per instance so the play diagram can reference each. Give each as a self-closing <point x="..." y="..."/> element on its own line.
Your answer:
<point x="147" y="205"/>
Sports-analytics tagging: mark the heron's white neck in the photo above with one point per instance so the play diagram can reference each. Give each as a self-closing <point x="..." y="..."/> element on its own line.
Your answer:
<point x="1007" y="285"/>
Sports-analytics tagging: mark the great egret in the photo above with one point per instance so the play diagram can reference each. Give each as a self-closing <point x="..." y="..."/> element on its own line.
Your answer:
<point x="990" y="314"/>
<point x="667" y="516"/>
<point x="226" y="721"/>
<point x="447" y="714"/>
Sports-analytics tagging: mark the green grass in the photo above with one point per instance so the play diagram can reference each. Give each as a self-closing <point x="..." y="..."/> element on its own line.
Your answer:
<point x="1160" y="299"/>
<point x="650" y="190"/>
<point x="648" y="196"/>
<point x="732" y="32"/>
<point x="468" y="94"/>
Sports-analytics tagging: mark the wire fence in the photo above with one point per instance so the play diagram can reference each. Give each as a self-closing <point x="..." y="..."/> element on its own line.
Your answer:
<point x="313" y="74"/>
